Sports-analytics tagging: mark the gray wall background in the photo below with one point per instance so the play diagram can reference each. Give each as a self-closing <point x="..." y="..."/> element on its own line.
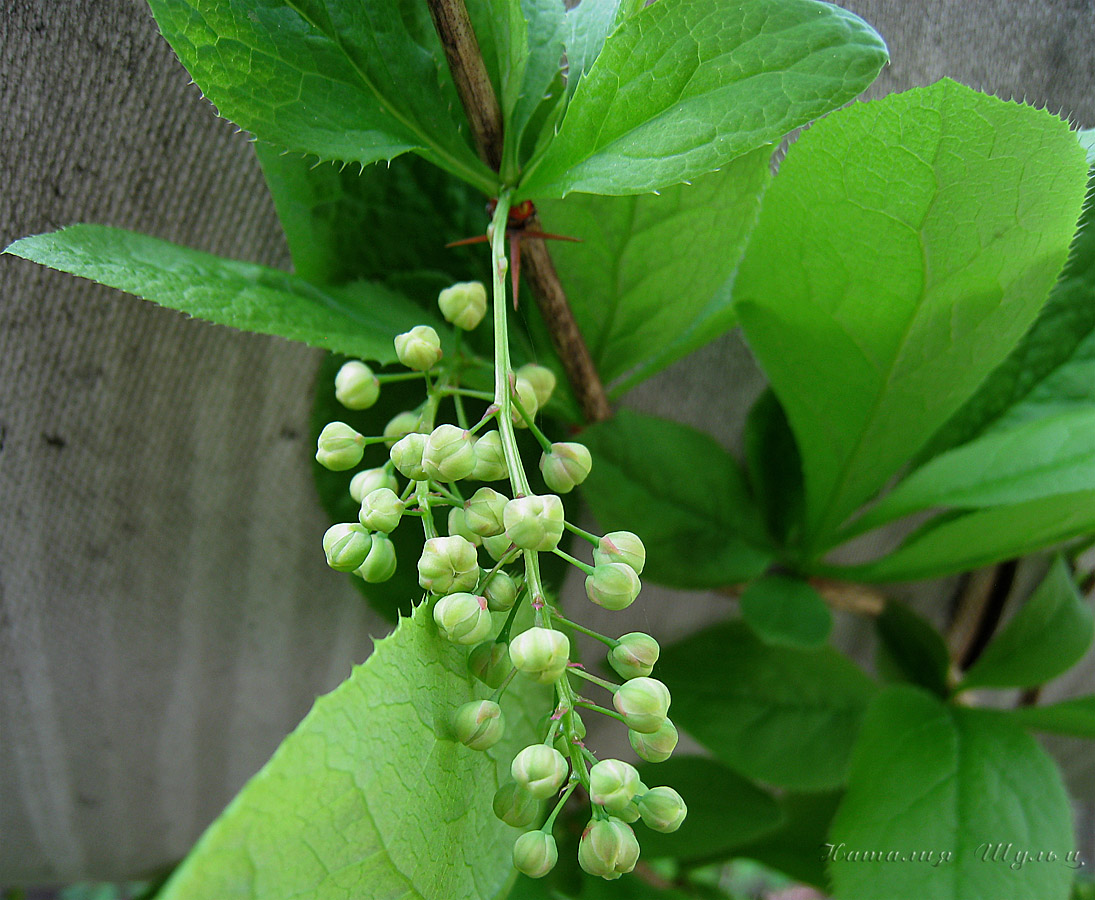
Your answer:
<point x="165" y="613"/>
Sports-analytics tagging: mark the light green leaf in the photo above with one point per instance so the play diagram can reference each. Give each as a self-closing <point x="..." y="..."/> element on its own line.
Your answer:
<point x="684" y="86"/>
<point x="776" y="714"/>
<point x="876" y="303"/>
<point x="699" y="531"/>
<point x="1086" y="137"/>
<point x="371" y="796"/>
<point x="963" y="542"/>
<point x="1074" y="717"/>
<point x="1039" y="458"/>
<point x="587" y="26"/>
<point x="911" y="649"/>
<point x="650" y="281"/>
<point x="724" y="809"/>
<point x="354" y="82"/>
<point x="358" y="319"/>
<point x="1051" y="633"/>
<point x="928" y="778"/>
<point x="786" y="612"/>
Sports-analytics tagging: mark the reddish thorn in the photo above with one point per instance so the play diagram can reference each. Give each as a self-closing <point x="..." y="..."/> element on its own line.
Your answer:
<point x="574" y="665"/>
<point x="548" y="236"/>
<point x="463" y="242"/>
<point x="515" y="269"/>
<point x="537" y="604"/>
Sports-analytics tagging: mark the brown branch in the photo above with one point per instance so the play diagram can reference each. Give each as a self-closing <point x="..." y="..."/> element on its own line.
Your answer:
<point x="450" y="18"/>
<point x="842" y="596"/>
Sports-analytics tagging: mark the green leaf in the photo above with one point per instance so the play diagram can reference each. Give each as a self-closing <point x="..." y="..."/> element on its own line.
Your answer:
<point x="681" y="493"/>
<point x="354" y="82"/>
<point x="1074" y="717"/>
<point x="358" y="319"/>
<point x="963" y="542"/>
<point x="876" y="304"/>
<point x="793" y="848"/>
<point x="786" y="612"/>
<point x="911" y="649"/>
<point x="774" y="467"/>
<point x="637" y="251"/>
<point x="1051" y="633"/>
<point x="371" y="795"/>
<point x="724" y="810"/>
<point x="588" y="25"/>
<point x="776" y="714"/>
<point x="684" y="86"/>
<point x="1039" y="458"/>
<point x="928" y="778"/>
<point x="1053" y="367"/>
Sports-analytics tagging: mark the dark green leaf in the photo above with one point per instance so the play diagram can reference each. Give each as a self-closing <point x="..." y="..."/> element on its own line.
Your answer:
<point x="911" y="649"/>
<point x="636" y="252"/>
<point x="724" y="810"/>
<point x="1051" y="633"/>
<point x="786" y="612"/>
<point x="932" y="779"/>
<point x="371" y="796"/>
<point x="359" y="319"/>
<point x="878" y="304"/>
<point x="681" y="493"/>
<point x="795" y="847"/>
<point x="969" y="541"/>
<point x="775" y="714"/>
<point x="1074" y="717"/>
<point x="774" y="467"/>
<point x="684" y="86"/>
<point x="354" y="82"/>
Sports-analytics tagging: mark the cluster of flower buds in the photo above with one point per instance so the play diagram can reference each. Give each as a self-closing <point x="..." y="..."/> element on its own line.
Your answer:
<point x="478" y="566"/>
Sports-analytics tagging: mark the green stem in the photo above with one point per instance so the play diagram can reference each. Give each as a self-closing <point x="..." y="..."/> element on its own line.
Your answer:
<point x="497" y="695"/>
<point x="604" y="639"/>
<point x="466" y="392"/>
<point x="582" y="533"/>
<point x="399" y="376"/>
<point x="536" y="432"/>
<point x="422" y="495"/>
<point x="504" y="561"/>
<point x="503" y="635"/>
<point x="577" y="563"/>
<point x="550" y="823"/>
<point x="589" y="676"/>
<point x="585" y="704"/>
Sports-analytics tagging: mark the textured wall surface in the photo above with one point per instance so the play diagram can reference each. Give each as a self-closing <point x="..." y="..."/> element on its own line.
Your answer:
<point x="165" y="614"/>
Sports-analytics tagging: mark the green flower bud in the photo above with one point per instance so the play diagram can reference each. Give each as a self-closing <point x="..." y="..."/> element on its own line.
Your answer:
<point x="630" y="813"/>
<point x="458" y="525"/>
<point x="448" y="565"/>
<point x="634" y="656"/>
<point x="490" y="461"/>
<point x="406" y="456"/>
<point x="535" y="854"/>
<point x="643" y="702"/>
<point x="484" y="512"/>
<point x="479" y="724"/>
<point x="489" y="662"/>
<point x="418" y="348"/>
<point x="381" y="510"/>
<point x="462" y="618"/>
<point x="613" y="585"/>
<point x="356" y="387"/>
<point x="612" y="784"/>
<point x="380" y="564"/>
<point x="464" y="304"/>
<point x="542" y="380"/>
<point x="534" y="522"/>
<point x="516" y="806"/>
<point x="368" y="480"/>
<point x="497" y="546"/>
<point x="655" y="747"/>
<point x="339" y="447"/>
<point x="449" y="454"/>
<point x="621" y="547"/>
<point x="500" y="591"/>
<point x="526" y="393"/>
<point x="662" y="809"/>
<point x="400" y="425"/>
<point x="540" y="653"/>
<point x="346" y="546"/>
<point x="540" y="770"/>
<point x="608" y="848"/>
<point x="566" y="466"/>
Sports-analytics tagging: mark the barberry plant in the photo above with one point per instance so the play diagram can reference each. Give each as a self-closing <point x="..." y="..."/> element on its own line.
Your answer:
<point x="912" y="283"/>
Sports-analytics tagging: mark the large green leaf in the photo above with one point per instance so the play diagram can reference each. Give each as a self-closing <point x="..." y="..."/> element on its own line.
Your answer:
<point x="786" y="612"/>
<point x="781" y="715"/>
<point x="1073" y="717"/>
<point x="901" y="253"/>
<point x="684" y="86"/>
<point x="963" y="542"/>
<point x="359" y="319"/>
<point x="931" y="779"/>
<point x="588" y="25"/>
<point x="1050" y="634"/>
<point x="682" y="494"/>
<point x="1039" y="458"/>
<point x="354" y="82"/>
<point x="371" y="796"/>
<point x="1053" y="368"/>
<point x="636" y="252"/>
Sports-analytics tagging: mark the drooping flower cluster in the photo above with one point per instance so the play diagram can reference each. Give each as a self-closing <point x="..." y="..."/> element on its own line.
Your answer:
<point x="480" y="557"/>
